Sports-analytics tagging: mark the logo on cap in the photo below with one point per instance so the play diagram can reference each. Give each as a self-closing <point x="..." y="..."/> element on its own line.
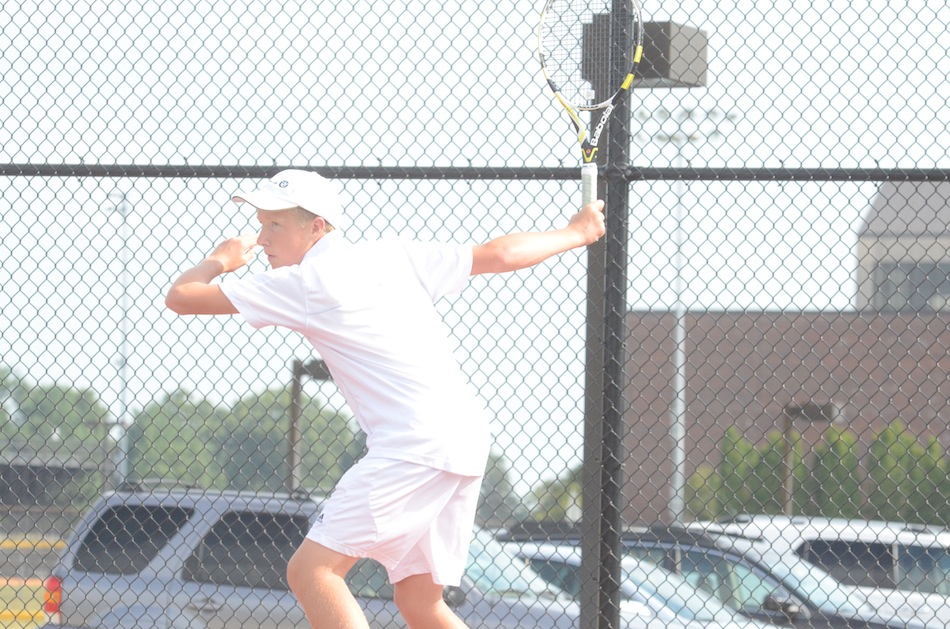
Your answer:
<point x="283" y="184"/>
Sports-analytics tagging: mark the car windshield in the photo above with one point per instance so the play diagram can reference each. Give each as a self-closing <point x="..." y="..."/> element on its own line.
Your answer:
<point x="924" y="569"/>
<point x="681" y="597"/>
<point x="819" y="587"/>
<point x="496" y="572"/>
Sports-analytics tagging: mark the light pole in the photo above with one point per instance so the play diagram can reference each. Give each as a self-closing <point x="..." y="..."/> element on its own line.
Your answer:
<point x="695" y="120"/>
<point x="124" y="422"/>
<point x="317" y="370"/>
<point x="812" y="413"/>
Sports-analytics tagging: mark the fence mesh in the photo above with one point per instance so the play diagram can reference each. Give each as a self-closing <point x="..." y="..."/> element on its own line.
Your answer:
<point x="784" y="336"/>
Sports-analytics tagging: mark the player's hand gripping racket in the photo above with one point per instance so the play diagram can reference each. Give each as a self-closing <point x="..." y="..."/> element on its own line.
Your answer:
<point x="573" y="39"/>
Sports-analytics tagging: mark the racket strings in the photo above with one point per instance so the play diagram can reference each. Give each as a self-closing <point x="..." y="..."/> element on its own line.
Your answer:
<point x="567" y="28"/>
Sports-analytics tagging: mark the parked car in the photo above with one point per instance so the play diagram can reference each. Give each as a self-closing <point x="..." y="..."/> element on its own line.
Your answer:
<point x="748" y="576"/>
<point x="902" y="568"/>
<point x="174" y="558"/>
<point x="644" y="588"/>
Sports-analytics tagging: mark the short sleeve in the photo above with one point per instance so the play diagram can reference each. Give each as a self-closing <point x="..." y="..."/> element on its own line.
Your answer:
<point x="272" y="298"/>
<point x="442" y="268"/>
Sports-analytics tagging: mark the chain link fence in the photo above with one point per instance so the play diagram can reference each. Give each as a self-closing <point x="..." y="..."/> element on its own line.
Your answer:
<point x="783" y="339"/>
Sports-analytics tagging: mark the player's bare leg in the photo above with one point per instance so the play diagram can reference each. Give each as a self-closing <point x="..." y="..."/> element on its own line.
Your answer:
<point x="316" y="576"/>
<point x="420" y="602"/>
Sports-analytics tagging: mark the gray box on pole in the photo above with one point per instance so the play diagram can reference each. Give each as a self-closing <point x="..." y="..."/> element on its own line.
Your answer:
<point x="674" y="55"/>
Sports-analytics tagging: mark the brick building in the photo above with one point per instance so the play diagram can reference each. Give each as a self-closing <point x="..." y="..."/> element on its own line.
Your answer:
<point x="887" y="359"/>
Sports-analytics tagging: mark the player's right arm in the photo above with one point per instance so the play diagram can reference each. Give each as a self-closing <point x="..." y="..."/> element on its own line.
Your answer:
<point x="522" y="250"/>
<point x="193" y="293"/>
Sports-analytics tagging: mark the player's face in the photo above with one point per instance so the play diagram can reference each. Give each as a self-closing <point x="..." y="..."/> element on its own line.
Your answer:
<point x="284" y="238"/>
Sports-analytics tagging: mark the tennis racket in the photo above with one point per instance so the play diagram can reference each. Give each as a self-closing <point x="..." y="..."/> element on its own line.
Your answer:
<point x="575" y="38"/>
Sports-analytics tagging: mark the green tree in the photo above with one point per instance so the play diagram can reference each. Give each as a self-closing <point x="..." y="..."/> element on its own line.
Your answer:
<point x="893" y="471"/>
<point x="739" y="459"/>
<point x="560" y="498"/>
<point x="926" y="501"/>
<point x="252" y="443"/>
<point x="52" y="419"/>
<point x="939" y="500"/>
<point x="768" y="472"/>
<point x="330" y="443"/>
<point x="834" y="481"/>
<point x="171" y="439"/>
<point x="702" y="494"/>
<point x="56" y="423"/>
<point x="246" y="446"/>
<point x="498" y="503"/>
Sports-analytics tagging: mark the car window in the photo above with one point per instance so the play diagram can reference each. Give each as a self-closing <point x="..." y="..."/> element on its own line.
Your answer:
<point x="127" y="537"/>
<point x="368" y="579"/>
<point x="675" y="592"/>
<point x="854" y="563"/>
<point x="817" y="586"/>
<point x="923" y="569"/>
<point x="734" y="583"/>
<point x="247" y="549"/>
<point x="653" y="555"/>
<point x="495" y="572"/>
<point x="558" y="574"/>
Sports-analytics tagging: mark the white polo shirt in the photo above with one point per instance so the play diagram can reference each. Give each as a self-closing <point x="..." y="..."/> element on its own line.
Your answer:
<point x="368" y="310"/>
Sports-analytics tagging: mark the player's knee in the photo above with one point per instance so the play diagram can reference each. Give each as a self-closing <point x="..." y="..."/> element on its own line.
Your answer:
<point x="404" y="600"/>
<point x="419" y="599"/>
<point x="413" y="610"/>
<point x="304" y="572"/>
<point x="314" y="568"/>
<point x="297" y="573"/>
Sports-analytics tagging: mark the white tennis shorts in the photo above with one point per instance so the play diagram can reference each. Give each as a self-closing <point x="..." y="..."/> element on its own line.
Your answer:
<point x="411" y="518"/>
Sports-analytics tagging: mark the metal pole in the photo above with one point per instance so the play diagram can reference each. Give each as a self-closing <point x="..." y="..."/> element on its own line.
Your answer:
<point x="591" y="522"/>
<point x="317" y="370"/>
<point x="788" y="479"/>
<point x="678" y="408"/>
<point x="677" y="428"/>
<point x="292" y="481"/>
<point x="606" y="353"/>
<point x="123" y="467"/>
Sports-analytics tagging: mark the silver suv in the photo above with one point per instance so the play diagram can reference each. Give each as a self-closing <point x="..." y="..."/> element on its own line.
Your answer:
<point x="176" y="558"/>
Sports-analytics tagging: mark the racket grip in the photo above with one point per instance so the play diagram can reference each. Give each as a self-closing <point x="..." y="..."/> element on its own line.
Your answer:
<point x="588" y="183"/>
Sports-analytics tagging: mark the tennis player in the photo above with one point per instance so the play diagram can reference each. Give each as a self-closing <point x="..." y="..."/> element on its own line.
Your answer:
<point x="367" y="308"/>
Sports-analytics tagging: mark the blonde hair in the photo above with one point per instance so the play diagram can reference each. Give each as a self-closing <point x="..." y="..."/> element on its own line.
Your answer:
<point x="305" y="217"/>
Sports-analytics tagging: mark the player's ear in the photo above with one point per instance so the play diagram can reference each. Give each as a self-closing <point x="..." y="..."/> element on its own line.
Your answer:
<point x="319" y="226"/>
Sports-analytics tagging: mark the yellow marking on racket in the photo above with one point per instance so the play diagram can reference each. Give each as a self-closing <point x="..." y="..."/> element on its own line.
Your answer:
<point x="636" y="59"/>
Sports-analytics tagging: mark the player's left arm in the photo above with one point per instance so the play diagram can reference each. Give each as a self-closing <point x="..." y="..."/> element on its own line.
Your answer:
<point x="521" y="250"/>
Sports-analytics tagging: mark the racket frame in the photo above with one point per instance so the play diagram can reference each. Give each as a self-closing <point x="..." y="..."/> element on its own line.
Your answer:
<point x="588" y="139"/>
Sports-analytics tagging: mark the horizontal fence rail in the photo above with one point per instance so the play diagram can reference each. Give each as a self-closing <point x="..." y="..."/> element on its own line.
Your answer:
<point x="629" y="173"/>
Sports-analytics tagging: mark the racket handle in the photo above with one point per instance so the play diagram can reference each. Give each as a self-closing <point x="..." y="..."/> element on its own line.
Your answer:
<point x="588" y="183"/>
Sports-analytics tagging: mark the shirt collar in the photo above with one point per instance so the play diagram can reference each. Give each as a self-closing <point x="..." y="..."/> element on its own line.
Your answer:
<point x="329" y="241"/>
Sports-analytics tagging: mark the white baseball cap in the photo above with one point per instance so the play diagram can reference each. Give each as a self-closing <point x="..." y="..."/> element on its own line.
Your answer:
<point x="298" y="188"/>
